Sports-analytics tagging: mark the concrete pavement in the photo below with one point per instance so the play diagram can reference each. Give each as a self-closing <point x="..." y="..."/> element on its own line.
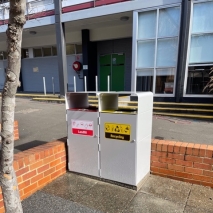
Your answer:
<point x="74" y="193"/>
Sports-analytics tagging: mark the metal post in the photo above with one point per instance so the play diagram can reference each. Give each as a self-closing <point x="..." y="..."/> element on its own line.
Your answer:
<point x="61" y="48"/>
<point x="53" y="85"/>
<point x="74" y="84"/>
<point x="85" y="83"/>
<point x="108" y="83"/>
<point x="45" y="93"/>
<point x="96" y="83"/>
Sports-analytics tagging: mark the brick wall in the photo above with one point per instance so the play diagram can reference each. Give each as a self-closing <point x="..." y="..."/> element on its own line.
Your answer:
<point x="187" y="162"/>
<point x="16" y="132"/>
<point x="37" y="167"/>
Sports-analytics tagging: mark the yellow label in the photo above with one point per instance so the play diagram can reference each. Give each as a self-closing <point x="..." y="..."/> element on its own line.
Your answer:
<point x="117" y="131"/>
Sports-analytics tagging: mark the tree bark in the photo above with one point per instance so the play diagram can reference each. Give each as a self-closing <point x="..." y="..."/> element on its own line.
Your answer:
<point x="8" y="179"/>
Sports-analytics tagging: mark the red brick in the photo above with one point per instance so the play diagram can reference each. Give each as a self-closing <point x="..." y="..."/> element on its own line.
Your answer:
<point x="55" y="162"/>
<point x="159" y="145"/>
<point x="193" y="170"/>
<point x="43" y="168"/>
<point x="189" y="148"/>
<point x="208" y="161"/>
<point x="48" y="159"/>
<point x="191" y="181"/>
<point x="29" y="175"/>
<point x="177" y="147"/>
<point x="56" y="174"/>
<point x="63" y="170"/>
<point x="202" y="151"/>
<point x="167" y="171"/>
<point x="154" y="158"/>
<point x="30" y="188"/>
<point x="59" y="166"/>
<point x="207" y="184"/>
<point x="183" y="174"/>
<point x="20" y="163"/>
<point x="176" y="156"/>
<point x="208" y="173"/>
<point x="60" y="154"/>
<point x="202" y="178"/>
<point x="44" y="181"/>
<point x="37" y="178"/>
<point x="24" y="184"/>
<point x="158" y="164"/>
<point x="154" y="144"/>
<point x="154" y="169"/>
<point x="22" y="171"/>
<point x="202" y="166"/>
<point x="183" y="148"/>
<point x="195" y="150"/>
<point x="63" y="159"/>
<point x="193" y="158"/>
<point x="171" y="146"/>
<point x="15" y="165"/>
<point x="159" y="154"/>
<point x="165" y="146"/>
<point x="166" y="160"/>
<point x="36" y="165"/>
<point x="19" y="179"/>
<point x="175" y="167"/>
<point x="49" y="171"/>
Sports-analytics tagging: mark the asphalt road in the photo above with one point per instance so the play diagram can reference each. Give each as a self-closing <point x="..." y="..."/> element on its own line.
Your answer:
<point x="41" y="122"/>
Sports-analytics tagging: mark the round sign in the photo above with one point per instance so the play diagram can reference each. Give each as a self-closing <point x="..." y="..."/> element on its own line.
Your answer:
<point x="77" y="66"/>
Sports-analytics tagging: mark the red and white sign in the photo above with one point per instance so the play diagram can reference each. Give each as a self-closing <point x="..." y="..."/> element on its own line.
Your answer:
<point x="80" y="127"/>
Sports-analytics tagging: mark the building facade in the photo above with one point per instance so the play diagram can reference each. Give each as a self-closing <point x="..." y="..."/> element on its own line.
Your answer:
<point x="159" y="46"/>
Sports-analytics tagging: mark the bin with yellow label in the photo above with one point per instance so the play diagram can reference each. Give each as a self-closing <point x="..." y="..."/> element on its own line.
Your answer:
<point x="125" y="138"/>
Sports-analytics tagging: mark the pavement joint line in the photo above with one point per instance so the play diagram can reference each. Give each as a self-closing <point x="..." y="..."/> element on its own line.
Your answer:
<point x="187" y="198"/>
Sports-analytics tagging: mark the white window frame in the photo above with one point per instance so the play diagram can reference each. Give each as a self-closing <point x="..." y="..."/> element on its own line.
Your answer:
<point x="188" y="53"/>
<point x="135" y="44"/>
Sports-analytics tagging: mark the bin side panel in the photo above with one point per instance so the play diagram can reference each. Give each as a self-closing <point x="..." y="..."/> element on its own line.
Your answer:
<point x="118" y="156"/>
<point x="83" y="149"/>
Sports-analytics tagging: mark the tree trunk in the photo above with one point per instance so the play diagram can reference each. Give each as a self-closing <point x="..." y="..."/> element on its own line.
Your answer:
<point x="8" y="180"/>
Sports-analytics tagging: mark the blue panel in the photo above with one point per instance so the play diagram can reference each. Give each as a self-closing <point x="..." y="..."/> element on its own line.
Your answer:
<point x="2" y="75"/>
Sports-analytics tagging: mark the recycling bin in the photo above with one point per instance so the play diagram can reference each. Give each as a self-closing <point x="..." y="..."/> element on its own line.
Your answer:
<point x="83" y="134"/>
<point x="125" y="138"/>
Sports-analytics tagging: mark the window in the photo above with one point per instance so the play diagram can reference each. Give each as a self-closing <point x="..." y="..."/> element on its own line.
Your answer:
<point x="200" y="58"/>
<point x="25" y="53"/>
<point x="70" y="49"/>
<point x="157" y="50"/>
<point x="78" y="48"/>
<point x="45" y="51"/>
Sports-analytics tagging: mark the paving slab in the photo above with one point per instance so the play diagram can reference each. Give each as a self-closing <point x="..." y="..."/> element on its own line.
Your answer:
<point x="201" y="197"/>
<point x="168" y="189"/>
<point x="107" y="197"/>
<point x="146" y="203"/>
<point x="70" y="186"/>
<point x="189" y="209"/>
<point x="43" y="203"/>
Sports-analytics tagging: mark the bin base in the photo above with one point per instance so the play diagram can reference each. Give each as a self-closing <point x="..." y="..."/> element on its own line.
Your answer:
<point x="136" y="188"/>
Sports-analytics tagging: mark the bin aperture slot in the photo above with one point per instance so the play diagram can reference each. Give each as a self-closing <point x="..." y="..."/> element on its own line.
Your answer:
<point x="108" y="102"/>
<point x="77" y="101"/>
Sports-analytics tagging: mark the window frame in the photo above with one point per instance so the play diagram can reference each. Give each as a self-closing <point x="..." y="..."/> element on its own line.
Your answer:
<point x="135" y="41"/>
<point x="193" y="2"/>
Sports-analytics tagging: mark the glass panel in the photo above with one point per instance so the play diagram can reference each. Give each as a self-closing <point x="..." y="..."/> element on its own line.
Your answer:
<point x="198" y="78"/>
<point x="37" y="52"/>
<point x="78" y="48"/>
<point x="201" y="49"/>
<point x="167" y="52"/>
<point x="147" y="24"/>
<point x="202" y="17"/>
<point x="47" y="51"/>
<point x="145" y="80"/>
<point x="146" y="53"/>
<point x="165" y="81"/>
<point x="169" y="22"/>
<point x="70" y="49"/>
<point x="54" y="50"/>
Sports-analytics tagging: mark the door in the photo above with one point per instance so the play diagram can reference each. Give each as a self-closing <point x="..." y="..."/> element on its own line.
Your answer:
<point x="117" y="72"/>
<point x="112" y="65"/>
<point x="105" y="71"/>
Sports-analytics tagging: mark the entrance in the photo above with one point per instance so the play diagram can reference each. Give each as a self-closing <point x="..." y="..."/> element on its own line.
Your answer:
<point x="112" y="65"/>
